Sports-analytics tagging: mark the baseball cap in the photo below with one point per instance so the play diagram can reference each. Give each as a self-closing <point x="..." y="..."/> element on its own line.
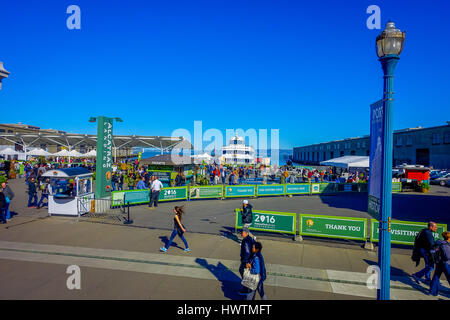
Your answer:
<point x="245" y="201"/>
<point x="245" y="229"/>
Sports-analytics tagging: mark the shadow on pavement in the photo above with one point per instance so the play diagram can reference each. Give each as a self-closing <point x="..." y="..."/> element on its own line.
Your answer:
<point x="230" y="282"/>
<point x="228" y="232"/>
<point x="401" y="276"/>
<point x="166" y="240"/>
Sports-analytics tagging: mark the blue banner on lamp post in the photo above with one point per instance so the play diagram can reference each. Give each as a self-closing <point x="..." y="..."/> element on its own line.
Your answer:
<point x="377" y="113"/>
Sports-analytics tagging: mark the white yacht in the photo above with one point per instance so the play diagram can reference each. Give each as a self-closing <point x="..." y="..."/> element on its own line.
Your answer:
<point x="237" y="152"/>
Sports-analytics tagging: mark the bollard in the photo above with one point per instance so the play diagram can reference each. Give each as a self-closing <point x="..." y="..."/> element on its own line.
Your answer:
<point x="128" y="221"/>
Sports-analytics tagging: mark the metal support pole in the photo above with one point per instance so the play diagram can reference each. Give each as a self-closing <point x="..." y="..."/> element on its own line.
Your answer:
<point x="388" y="64"/>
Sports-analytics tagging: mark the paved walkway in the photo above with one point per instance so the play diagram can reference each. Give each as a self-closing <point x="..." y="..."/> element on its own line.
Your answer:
<point x="123" y="262"/>
<point x="34" y="257"/>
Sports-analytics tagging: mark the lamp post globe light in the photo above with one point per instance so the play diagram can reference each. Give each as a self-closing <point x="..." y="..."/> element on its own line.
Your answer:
<point x="389" y="45"/>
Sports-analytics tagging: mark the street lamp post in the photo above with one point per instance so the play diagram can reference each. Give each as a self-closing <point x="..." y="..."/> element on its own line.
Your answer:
<point x="389" y="45"/>
<point x="3" y="74"/>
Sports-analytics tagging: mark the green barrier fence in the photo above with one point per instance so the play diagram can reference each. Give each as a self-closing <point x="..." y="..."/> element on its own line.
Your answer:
<point x="119" y="198"/>
<point x="205" y="192"/>
<point x="396" y="187"/>
<point x="240" y="191"/>
<point x="270" y="190"/>
<point x="404" y="232"/>
<point x="323" y="188"/>
<point x="298" y="188"/>
<point x="173" y="193"/>
<point x="333" y="227"/>
<point x="270" y="221"/>
<point x="230" y="191"/>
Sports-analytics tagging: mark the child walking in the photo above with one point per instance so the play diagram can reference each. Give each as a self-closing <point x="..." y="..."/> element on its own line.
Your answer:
<point x="178" y="228"/>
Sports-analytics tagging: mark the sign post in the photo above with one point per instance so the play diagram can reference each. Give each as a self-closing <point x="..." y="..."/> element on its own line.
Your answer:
<point x="104" y="162"/>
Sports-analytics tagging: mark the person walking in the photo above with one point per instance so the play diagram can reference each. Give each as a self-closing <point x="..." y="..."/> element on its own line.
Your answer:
<point x="422" y="246"/>
<point x="45" y="192"/>
<point x="9" y="195"/>
<point x="156" y="189"/>
<point x="442" y="266"/>
<point x="246" y="255"/>
<point x="2" y="206"/>
<point x="178" y="229"/>
<point x="32" y="193"/>
<point x="257" y="266"/>
<point x="247" y="216"/>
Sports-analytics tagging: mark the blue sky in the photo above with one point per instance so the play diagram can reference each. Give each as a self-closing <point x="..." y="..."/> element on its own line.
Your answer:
<point x="307" y="68"/>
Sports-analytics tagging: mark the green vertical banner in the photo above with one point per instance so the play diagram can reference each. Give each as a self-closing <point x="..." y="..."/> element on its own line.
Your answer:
<point x="104" y="157"/>
<point x="139" y="156"/>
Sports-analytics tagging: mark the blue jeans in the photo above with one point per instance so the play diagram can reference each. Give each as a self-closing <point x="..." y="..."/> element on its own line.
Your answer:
<point x="7" y="213"/>
<point x="41" y="201"/>
<point x="440" y="268"/>
<point x="429" y="266"/>
<point x="172" y="236"/>
<point x="3" y="215"/>
<point x="32" y="199"/>
<point x="260" y="289"/>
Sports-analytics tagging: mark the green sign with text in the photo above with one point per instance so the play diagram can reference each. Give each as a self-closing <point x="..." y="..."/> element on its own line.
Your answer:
<point x="205" y="192"/>
<point x="240" y="191"/>
<point x="271" y="221"/>
<point x="298" y="188"/>
<point x="175" y="193"/>
<point x="333" y="227"/>
<point x="404" y="232"/>
<point x="104" y="157"/>
<point x="270" y="190"/>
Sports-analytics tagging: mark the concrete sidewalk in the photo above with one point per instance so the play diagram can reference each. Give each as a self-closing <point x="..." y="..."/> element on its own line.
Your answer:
<point x="35" y="256"/>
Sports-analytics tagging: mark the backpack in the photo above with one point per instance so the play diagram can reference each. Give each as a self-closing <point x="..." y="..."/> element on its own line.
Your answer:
<point x="437" y="255"/>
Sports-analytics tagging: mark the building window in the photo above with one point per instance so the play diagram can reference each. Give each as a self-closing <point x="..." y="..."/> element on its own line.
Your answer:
<point x="363" y="144"/>
<point x="447" y="137"/>
<point x="342" y="153"/>
<point x="324" y="156"/>
<point x="409" y="141"/>
<point x="358" y="145"/>
<point x="2" y="130"/>
<point x="399" y="141"/>
<point x="436" y="138"/>
<point x="10" y="131"/>
<point x="352" y="152"/>
<point x="367" y="152"/>
<point x="329" y="147"/>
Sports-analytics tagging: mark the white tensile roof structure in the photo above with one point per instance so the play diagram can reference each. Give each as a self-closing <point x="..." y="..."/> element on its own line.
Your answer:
<point x="347" y="162"/>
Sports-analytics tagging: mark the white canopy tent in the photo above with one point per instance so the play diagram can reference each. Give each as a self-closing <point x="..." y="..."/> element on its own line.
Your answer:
<point x="75" y="154"/>
<point x="347" y="162"/>
<point x="38" y="152"/>
<point x="62" y="153"/>
<point x="9" y="152"/>
<point x="92" y="153"/>
<point x="198" y="158"/>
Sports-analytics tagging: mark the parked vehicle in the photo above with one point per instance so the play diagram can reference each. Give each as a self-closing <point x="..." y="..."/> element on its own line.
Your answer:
<point x="441" y="180"/>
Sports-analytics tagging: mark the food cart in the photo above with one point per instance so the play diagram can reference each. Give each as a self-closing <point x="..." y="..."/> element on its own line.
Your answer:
<point x="70" y="191"/>
<point x="413" y="175"/>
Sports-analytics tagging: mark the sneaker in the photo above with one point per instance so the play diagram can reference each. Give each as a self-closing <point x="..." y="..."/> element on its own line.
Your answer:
<point x="242" y="292"/>
<point x="163" y="249"/>
<point x="187" y="250"/>
<point x="417" y="280"/>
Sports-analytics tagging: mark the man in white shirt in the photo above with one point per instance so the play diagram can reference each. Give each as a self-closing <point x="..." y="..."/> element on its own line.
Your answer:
<point x="156" y="188"/>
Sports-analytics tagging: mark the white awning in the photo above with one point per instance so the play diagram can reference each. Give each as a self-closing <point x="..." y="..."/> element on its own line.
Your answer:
<point x="348" y="162"/>
<point x="75" y="153"/>
<point x="9" y="152"/>
<point x="62" y="153"/>
<point x="38" y="152"/>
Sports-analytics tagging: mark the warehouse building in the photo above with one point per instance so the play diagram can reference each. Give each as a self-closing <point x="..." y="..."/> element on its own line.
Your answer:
<point x="425" y="146"/>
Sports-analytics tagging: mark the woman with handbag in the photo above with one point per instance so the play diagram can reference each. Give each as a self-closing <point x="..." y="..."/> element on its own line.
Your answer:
<point x="256" y="269"/>
<point x="178" y="228"/>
